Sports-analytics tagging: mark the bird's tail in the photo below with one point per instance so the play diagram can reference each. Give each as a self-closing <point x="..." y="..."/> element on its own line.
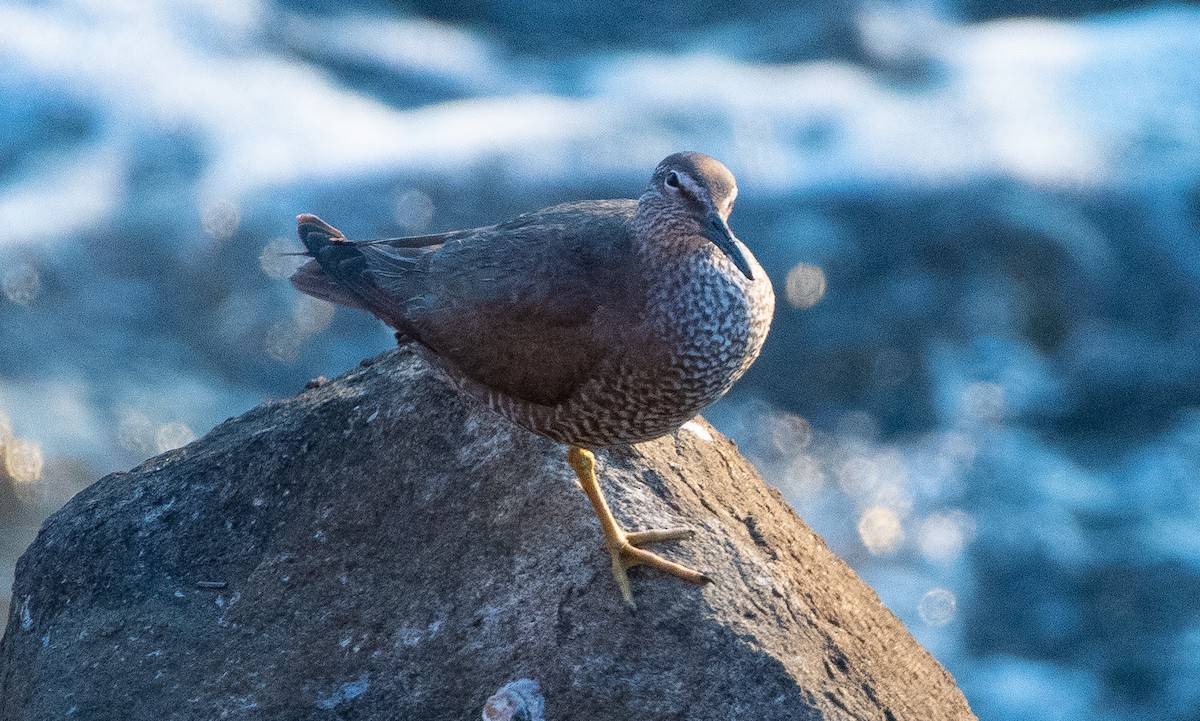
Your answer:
<point x="316" y="233"/>
<point x="313" y="278"/>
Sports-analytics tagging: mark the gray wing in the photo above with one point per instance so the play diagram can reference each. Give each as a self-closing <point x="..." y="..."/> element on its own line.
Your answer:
<point x="528" y="307"/>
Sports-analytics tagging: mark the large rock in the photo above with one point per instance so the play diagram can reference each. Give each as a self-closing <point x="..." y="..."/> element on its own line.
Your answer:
<point x="381" y="548"/>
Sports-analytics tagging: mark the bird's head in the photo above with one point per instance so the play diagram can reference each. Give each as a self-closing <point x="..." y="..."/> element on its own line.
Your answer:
<point x="699" y="188"/>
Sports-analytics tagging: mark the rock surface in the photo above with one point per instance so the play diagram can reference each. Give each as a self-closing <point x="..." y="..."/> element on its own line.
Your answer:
<point x="379" y="547"/>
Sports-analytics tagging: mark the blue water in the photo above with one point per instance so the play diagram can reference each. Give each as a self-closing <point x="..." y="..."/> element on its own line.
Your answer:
<point x="982" y="383"/>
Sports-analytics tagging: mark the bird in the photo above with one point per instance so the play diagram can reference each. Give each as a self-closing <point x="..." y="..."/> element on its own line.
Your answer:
<point x="595" y="323"/>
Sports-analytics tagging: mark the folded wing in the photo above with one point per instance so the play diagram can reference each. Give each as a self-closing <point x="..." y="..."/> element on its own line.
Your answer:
<point x="526" y="307"/>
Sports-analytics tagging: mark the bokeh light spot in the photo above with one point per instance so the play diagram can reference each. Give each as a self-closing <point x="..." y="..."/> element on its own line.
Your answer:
<point x="937" y="607"/>
<point x="312" y="315"/>
<point x="173" y="435"/>
<point x="136" y="432"/>
<point x="414" y="211"/>
<point x="789" y="432"/>
<point x="805" y="285"/>
<point x="22" y="283"/>
<point x="803" y="476"/>
<point x="880" y="530"/>
<point x="892" y="495"/>
<point x="221" y="220"/>
<point x="942" y="536"/>
<point x="274" y="260"/>
<point x="23" y="460"/>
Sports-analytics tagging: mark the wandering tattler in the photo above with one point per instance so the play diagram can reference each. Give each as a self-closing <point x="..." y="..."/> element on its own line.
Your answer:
<point x="596" y="323"/>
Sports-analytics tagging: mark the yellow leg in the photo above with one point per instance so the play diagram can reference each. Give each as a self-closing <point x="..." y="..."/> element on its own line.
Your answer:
<point x="624" y="545"/>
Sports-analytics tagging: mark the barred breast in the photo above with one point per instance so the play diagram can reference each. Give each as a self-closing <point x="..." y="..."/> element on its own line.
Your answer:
<point x="703" y="328"/>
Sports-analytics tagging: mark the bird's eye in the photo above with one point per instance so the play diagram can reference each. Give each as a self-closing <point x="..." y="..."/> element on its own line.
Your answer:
<point x="673" y="179"/>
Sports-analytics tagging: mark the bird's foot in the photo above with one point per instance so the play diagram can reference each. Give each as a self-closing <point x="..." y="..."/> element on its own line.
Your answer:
<point x="624" y="547"/>
<point x="622" y="544"/>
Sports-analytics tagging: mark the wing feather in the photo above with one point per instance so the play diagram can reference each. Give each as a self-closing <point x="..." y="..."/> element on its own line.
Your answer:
<point x="528" y="307"/>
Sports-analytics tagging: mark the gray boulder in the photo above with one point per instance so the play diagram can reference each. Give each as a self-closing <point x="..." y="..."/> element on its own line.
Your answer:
<point x="379" y="547"/>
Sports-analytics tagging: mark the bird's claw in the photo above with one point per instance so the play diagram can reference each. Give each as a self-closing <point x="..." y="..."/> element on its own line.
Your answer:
<point x="626" y="555"/>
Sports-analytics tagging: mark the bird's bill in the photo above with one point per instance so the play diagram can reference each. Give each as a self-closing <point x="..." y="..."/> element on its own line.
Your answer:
<point x="717" y="230"/>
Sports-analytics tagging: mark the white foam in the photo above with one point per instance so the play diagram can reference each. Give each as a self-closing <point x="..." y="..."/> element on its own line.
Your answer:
<point x="1054" y="103"/>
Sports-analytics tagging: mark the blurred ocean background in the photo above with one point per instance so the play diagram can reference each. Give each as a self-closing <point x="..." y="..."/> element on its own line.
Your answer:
<point x="982" y="219"/>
